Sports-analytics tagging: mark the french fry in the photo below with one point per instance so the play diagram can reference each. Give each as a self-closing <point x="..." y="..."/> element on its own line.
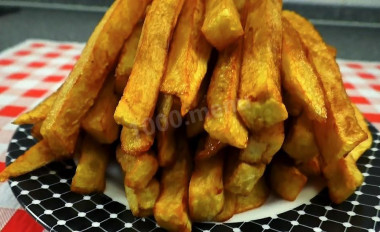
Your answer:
<point x="292" y="103"/>
<point x="342" y="177"/>
<point x="90" y="175"/>
<point x="221" y="25"/>
<point x="310" y="167"/>
<point x="228" y="207"/>
<point x="254" y="199"/>
<point x="332" y="50"/>
<point x="137" y="105"/>
<point x="142" y="201"/>
<point x="263" y="144"/>
<point x="195" y="119"/>
<point x="38" y="113"/>
<point x="139" y="170"/>
<point x="298" y="76"/>
<point x="188" y="56"/>
<point x="99" y="122"/>
<point x="171" y="207"/>
<point x="240" y="177"/>
<point x="134" y="141"/>
<point x="222" y="121"/>
<point x="37" y="156"/>
<point x="239" y="4"/>
<point x="260" y="102"/>
<point x="62" y="124"/>
<point x="206" y="195"/>
<point x="126" y="59"/>
<point x="36" y="130"/>
<point x="210" y="147"/>
<point x="341" y="132"/>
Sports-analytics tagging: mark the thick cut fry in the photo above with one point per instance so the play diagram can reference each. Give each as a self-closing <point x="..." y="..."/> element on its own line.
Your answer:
<point x="260" y="102"/>
<point x="298" y="77"/>
<point x="209" y="148"/>
<point x="126" y="59"/>
<point x="332" y="50"/>
<point x="90" y="175"/>
<point x="222" y="121"/>
<point x="142" y="201"/>
<point x="195" y="119"/>
<point x="221" y="25"/>
<point x="239" y="4"/>
<point x="366" y="144"/>
<point x="254" y="199"/>
<point x="206" y="195"/>
<point x="240" y="177"/>
<point x="36" y="130"/>
<point x="38" y="113"/>
<point x="137" y="104"/>
<point x="292" y="103"/>
<point x="171" y="207"/>
<point x="228" y="208"/>
<point x="286" y="180"/>
<point x="134" y="141"/>
<point x="341" y="131"/>
<point x="310" y="167"/>
<point x="37" y="156"/>
<point x="62" y="124"/>
<point x="99" y="122"/>
<point x="188" y="56"/>
<point x="139" y="170"/>
<point x="300" y="141"/>
<point x="343" y="177"/>
<point x="263" y="144"/>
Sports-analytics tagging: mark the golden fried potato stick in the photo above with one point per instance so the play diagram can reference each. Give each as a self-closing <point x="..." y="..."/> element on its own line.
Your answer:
<point x="99" y="122"/>
<point x="341" y="132"/>
<point x="62" y="124"/>
<point x="300" y="141"/>
<point x="221" y="25"/>
<point x="142" y="201"/>
<point x="210" y="147"/>
<point x="38" y="113"/>
<point x="260" y="102"/>
<point x="126" y="59"/>
<point x="263" y="144"/>
<point x="222" y="121"/>
<point x="37" y="156"/>
<point x="134" y="141"/>
<point x="292" y="103"/>
<point x="195" y="119"/>
<point x="343" y="177"/>
<point x="90" y="175"/>
<point x="240" y="177"/>
<point x="239" y="4"/>
<point x="228" y="208"/>
<point x="36" y="130"/>
<point x="206" y="195"/>
<point x="171" y="207"/>
<point x="138" y="102"/>
<point x="254" y="199"/>
<point x="310" y="167"/>
<point x="139" y="170"/>
<point x="366" y="144"/>
<point x="298" y="77"/>
<point x="188" y="56"/>
<point x="332" y="50"/>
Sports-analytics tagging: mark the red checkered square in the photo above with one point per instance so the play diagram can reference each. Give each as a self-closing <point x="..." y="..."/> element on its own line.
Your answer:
<point x="37" y="45"/>
<point x="354" y="65"/>
<point x="2" y="166"/>
<point x="366" y="75"/>
<point x="3" y="89"/>
<point x="11" y="111"/>
<point x="36" y="64"/>
<point x="35" y="93"/>
<point x="65" y="46"/>
<point x="18" y="76"/>
<point x="376" y="87"/>
<point x="349" y="86"/>
<point x="54" y="78"/>
<point x="359" y="100"/>
<point x="67" y="67"/>
<point x="52" y="54"/>
<point x="22" y="53"/>
<point x="76" y="57"/>
<point x="5" y="62"/>
<point x="372" y="117"/>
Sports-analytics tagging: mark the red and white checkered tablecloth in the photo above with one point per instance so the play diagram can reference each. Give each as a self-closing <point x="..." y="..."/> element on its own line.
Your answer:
<point x="30" y="71"/>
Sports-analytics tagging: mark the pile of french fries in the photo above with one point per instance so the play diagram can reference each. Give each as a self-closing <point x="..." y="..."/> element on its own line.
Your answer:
<point x="207" y="104"/>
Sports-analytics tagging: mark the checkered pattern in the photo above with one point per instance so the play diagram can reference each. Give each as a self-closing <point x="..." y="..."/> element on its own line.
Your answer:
<point x="33" y="69"/>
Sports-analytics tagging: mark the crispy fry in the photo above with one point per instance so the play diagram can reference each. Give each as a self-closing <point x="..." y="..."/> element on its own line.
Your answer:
<point x="300" y="141"/>
<point x="188" y="56"/>
<point x="171" y="207"/>
<point x="298" y="77"/>
<point x="221" y="25"/>
<point x="37" y="156"/>
<point x="222" y="121"/>
<point x="263" y="144"/>
<point x="90" y="175"/>
<point x="195" y="119"/>
<point x="99" y="122"/>
<point x="332" y="50"/>
<point x="310" y="167"/>
<point x="341" y="131"/>
<point x="206" y="197"/>
<point x="343" y="177"/>
<point x="292" y="103"/>
<point x="228" y="208"/>
<point x="134" y="141"/>
<point x="62" y="124"/>
<point x="239" y="4"/>
<point x="126" y="59"/>
<point x="240" y="177"/>
<point x="36" y="130"/>
<point x="137" y="104"/>
<point x="209" y="147"/>
<point x="38" y="113"/>
<point x="255" y="198"/>
<point x="366" y="144"/>
<point x="260" y="102"/>
<point x="139" y="170"/>
<point x="142" y="201"/>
